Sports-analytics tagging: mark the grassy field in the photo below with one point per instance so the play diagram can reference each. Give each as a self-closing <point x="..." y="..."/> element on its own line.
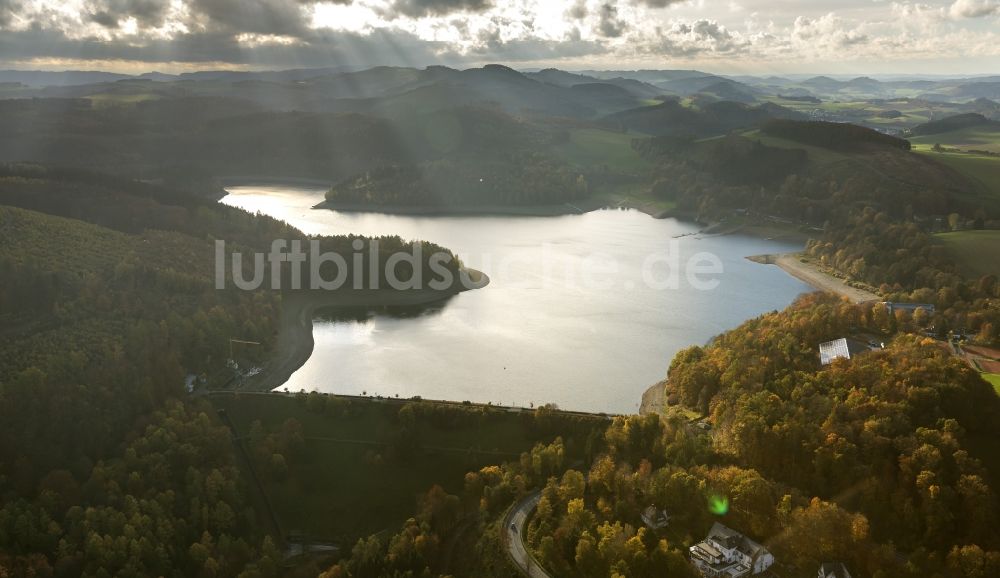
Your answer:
<point x="976" y="137"/>
<point x="352" y="479"/>
<point x="113" y="99"/>
<point x="993" y="378"/>
<point x="974" y="251"/>
<point x="593" y="148"/>
<point x="983" y="170"/>
<point x="634" y="196"/>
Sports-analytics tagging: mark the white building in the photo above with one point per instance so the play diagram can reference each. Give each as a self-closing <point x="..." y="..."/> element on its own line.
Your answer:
<point x="833" y="570"/>
<point x="728" y="554"/>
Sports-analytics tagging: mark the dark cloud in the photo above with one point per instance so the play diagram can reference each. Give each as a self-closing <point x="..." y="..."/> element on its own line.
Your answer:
<point x="610" y="25"/>
<point x="7" y="10"/>
<point x="277" y="17"/>
<point x="658" y="3"/>
<point x="318" y="49"/>
<point x="492" y="48"/>
<point x="578" y="11"/>
<point x="109" y="13"/>
<point x="419" y="8"/>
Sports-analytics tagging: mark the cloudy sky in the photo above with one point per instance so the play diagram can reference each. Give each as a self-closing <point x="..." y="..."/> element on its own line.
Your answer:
<point x="737" y="36"/>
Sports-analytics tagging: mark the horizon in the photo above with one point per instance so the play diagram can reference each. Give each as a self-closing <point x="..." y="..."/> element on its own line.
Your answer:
<point x="341" y="69"/>
<point x="743" y="37"/>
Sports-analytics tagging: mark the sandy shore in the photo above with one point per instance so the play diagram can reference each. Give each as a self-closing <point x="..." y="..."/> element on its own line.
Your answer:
<point x="294" y="344"/>
<point x="813" y="275"/>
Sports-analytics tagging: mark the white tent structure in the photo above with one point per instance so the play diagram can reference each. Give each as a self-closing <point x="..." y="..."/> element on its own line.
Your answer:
<point x="831" y="350"/>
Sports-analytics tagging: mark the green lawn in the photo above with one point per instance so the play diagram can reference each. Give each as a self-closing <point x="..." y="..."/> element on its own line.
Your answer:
<point x="993" y="378"/>
<point x="352" y="480"/>
<point x="593" y="148"/>
<point x="974" y="251"/>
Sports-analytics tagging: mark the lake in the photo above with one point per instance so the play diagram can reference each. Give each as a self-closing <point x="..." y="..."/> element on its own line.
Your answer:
<point x="581" y="310"/>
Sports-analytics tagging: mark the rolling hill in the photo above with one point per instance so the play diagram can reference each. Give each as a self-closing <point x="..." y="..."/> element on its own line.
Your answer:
<point x="955" y="123"/>
<point x="671" y="118"/>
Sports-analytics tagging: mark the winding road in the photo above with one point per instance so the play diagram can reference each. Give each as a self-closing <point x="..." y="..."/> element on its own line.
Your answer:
<point x="513" y="531"/>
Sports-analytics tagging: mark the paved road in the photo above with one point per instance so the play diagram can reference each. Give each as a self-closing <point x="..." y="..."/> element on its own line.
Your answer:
<point x="513" y="527"/>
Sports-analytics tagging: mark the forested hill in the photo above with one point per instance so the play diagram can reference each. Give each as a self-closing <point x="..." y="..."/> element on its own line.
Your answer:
<point x="189" y="142"/>
<point x="673" y="118"/>
<point x="872" y="431"/>
<point x="832" y="135"/>
<point x="107" y="304"/>
<point x="956" y="122"/>
<point x="103" y="471"/>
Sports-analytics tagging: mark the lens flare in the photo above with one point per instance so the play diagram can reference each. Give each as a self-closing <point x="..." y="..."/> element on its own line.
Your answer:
<point x="718" y="505"/>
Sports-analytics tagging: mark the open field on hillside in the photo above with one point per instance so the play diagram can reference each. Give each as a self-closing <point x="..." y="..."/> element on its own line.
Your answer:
<point x="115" y="99"/>
<point x="864" y="111"/>
<point x="974" y="251"/>
<point x="975" y="138"/>
<point x="593" y="148"/>
<point x="983" y="170"/>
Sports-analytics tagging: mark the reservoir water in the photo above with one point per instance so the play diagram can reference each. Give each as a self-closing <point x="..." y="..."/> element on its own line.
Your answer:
<point x="581" y="310"/>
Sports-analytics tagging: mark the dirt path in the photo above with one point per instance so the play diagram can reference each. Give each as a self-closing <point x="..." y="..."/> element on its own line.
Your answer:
<point x="811" y="274"/>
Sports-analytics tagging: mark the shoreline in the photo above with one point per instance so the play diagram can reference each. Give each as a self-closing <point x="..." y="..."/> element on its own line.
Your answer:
<point x="764" y="230"/>
<point x="295" y="343"/>
<point x="815" y="277"/>
<point x="555" y="210"/>
<point x="295" y="340"/>
<point x="250" y="181"/>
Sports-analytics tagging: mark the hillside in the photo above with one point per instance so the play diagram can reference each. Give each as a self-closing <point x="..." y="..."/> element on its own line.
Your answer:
<point x="831" y="135"/>
<point x="980" y="169"/>
<point x="973" y="252"/>
<point x="952" y="123"/>
<point x="100" y="326"/>
<point x="191" y="143"/>
<point x="109" y="310"/>
<point x="971" y="132"/>
<point x="758" y="173"/>
<point x="672" y="118"/>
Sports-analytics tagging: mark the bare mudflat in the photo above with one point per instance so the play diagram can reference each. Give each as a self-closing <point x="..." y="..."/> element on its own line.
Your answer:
<point x="810" y="273"/>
